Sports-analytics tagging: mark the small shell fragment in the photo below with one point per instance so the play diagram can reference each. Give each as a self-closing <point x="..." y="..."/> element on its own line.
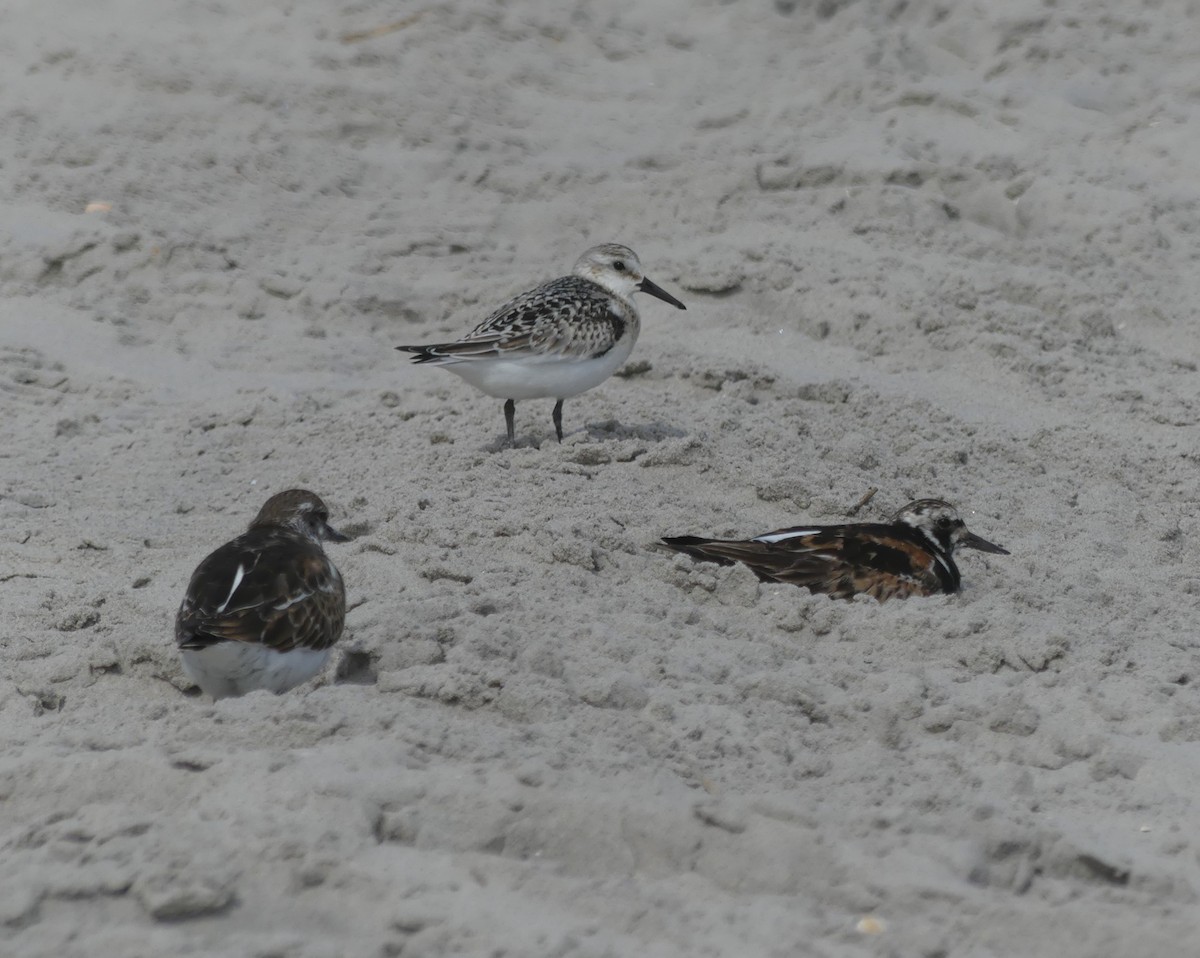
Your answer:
<point x="870" y="925"/>
<point x="98" y="206"/>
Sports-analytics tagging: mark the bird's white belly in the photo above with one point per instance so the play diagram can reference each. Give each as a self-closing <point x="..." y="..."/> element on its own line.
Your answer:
<point x="542" y="377"/>
<point x="235" y="668"/>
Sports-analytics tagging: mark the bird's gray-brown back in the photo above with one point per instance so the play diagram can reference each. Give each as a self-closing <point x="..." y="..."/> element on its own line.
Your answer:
<point x="569" y="316"/>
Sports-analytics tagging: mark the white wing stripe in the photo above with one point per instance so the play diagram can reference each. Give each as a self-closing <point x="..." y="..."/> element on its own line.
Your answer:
<point x="784" y="536"/>
<point x="237" y="580"/>
<point x="292" y="600"/>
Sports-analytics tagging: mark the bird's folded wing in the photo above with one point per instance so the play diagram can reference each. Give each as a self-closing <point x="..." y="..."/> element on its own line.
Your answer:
<point x="569" y="324"/>
<point x="281" y="601"/>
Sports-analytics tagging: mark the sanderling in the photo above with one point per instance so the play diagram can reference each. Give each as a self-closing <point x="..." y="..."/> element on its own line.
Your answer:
<point x="556" y="341"/>
<point x="263" y="611"/>
<point x="911" y="555"/>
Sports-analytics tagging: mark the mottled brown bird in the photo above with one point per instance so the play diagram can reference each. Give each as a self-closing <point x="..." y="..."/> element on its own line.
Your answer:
<point x="264" y="610"/>
<point x="911" y="555"/>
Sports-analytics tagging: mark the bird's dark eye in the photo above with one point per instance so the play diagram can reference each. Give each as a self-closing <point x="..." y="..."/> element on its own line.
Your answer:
<point x="619" y="266"/>
<point x="943" y="522"/>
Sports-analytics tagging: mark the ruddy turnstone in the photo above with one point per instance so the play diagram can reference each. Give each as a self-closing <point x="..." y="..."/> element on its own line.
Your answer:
<point x="556" y="341"/>
<point x="263" y="611"/>
<point x="911" y="555"/>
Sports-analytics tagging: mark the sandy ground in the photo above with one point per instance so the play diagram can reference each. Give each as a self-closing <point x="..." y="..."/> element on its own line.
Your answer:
<point x="929" y="248"/>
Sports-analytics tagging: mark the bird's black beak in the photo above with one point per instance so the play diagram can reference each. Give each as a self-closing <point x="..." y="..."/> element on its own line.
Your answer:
<point x="330" y="534"/>
<point x="648" y="287"/>
<point x="973" y="541"/>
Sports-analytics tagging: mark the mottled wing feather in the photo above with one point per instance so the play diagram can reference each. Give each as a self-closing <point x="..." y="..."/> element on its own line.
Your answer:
<point x="839" y="561"/>
<point x="522" y="313"/>
<point x="570" y="317"/>
<point x="771" y="563"/>
<point x="290" y="595"/>
<point x="883" y="586"/>
<point x="315" y="613"/>
<point x="841" y="580"/>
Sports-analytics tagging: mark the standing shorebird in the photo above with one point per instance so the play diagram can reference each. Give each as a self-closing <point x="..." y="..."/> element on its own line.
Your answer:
<point x="911" y="555"/>
<point x="556" y="341"/>
<point x="263" y="611"/>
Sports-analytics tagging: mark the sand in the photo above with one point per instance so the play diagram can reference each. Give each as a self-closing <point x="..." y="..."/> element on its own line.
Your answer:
<point x="931" y="249"/>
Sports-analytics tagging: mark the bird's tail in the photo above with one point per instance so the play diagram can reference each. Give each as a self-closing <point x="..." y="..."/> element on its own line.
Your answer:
<point x="697" y="548"/>
<point x="423" y="354"/>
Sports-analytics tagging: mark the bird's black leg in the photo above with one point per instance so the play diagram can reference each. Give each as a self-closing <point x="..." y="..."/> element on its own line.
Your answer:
<point x="510" y="409"/>
<point x="557" y="416"/>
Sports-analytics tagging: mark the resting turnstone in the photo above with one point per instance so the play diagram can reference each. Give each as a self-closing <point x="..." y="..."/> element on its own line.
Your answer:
<point x="263" y="611"/>
<point x="556" y="341"/>
<point x="911" y="555"/>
